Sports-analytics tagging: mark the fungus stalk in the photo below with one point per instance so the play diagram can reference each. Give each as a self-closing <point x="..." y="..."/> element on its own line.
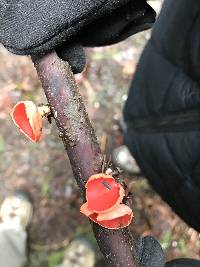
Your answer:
<point x="82" y="148"/>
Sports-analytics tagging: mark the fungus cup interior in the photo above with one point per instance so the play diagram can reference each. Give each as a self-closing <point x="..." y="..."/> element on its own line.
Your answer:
<point x="103" y="194"/>
<point x="21" y="120"/>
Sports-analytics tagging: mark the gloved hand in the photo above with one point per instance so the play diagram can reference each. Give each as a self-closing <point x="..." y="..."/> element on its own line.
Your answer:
<point x="150" y="254"/>
<point x="30" y="27"/>
<point x="163" y="109"/>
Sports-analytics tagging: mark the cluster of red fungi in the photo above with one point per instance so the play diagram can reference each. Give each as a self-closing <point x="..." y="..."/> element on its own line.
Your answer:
<point x="104" y="202"/>
<point x="103" y="194"/>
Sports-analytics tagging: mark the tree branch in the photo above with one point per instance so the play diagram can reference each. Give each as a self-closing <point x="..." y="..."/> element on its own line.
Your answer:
<point x="82" y="148"/>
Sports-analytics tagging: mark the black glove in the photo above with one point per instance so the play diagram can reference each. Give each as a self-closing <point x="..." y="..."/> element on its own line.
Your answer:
<point x="39" y="26"/>
<point x="163" y="109"/>
<point x="150" y="254"/>
<point x="183" y="263"/>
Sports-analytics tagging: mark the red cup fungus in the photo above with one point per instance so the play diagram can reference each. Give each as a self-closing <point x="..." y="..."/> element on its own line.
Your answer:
<point x="28" y="118"/>
<point x="104" y="197"/>
<point x="103" y="193"/>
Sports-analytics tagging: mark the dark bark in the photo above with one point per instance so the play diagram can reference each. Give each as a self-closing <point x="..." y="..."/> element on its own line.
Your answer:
<point x="82" y="148"/>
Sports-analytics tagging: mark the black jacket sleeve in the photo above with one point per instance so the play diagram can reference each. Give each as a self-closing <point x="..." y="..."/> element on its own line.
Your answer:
<point x="163" y="109"/>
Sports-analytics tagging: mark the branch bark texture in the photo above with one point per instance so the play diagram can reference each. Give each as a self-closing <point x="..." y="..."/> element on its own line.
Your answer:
<point x="82" y="148"/>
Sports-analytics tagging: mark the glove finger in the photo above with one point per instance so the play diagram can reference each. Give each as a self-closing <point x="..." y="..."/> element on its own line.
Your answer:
<point x="150" y="253"/>
<point x="37" y="27"/>
<point x="183" y="263"/>
<point x="74" y="54"/>
<point x="120" y="24"/>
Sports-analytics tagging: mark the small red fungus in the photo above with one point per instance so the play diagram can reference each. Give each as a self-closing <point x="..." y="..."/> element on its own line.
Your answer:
<point x="103" y="193"/>
<point x="28" y="119"/>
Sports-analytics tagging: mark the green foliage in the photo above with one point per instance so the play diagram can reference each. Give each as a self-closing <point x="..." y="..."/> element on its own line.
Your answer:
<point x="55" y="258"/>
<point x="108" y="54"/>
<point x="167" y="240"/>
<point x="45" y="190"/>
<point x="37" y="259"/>
<point x="40" y="259"/>
<point x="2" y="144"/>
<point x="183" y="247"/>
<point x="86" y="231"/>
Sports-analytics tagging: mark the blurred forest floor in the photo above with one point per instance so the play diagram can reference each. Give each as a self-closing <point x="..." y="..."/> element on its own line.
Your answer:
<point x="44" y="168"/>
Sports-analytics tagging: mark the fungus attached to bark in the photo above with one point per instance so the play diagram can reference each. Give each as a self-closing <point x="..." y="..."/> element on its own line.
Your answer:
<point x="104" y="196"/>
<point x="103" y="193"/>
<point x="28" y="118"/>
